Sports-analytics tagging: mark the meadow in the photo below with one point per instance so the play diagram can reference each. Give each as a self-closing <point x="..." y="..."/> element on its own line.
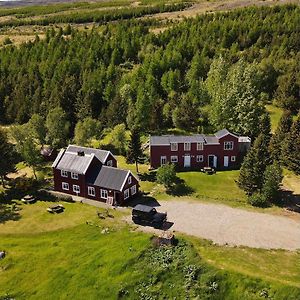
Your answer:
<point x="60" y="256"/>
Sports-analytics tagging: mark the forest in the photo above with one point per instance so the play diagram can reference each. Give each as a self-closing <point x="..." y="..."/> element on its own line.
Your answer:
<point x="217" y="70"/>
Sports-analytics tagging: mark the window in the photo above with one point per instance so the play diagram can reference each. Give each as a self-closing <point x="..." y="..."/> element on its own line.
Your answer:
<point x="187" y="146"/>
<point x="163" y="160"/>
<point x="104" y="194"/>
<point x="174" y="146"/>
<point x="126" y="194"/>
<point x="228" y="145"/>
<point x="129" y="180"/>
<point x="109" y="163"/>
<point x="199" y="146"/>
<point x="233" y="158"/>
<point x="74" y="175"/>
<point x="174" y="159"/>
<point x="76" y="188"/>
<point x="65" y="186"/>
<point x="199" y="158"/>
<point x="133" y="190"/>
<point x="91" y="191"/>
<point x="64" y="173"/>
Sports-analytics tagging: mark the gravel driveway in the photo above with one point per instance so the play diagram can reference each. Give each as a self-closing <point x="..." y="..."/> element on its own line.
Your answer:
<point x="223" y="224"/>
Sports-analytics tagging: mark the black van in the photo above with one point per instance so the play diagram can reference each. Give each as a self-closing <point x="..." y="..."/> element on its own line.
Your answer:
<point x="147" y="215"/>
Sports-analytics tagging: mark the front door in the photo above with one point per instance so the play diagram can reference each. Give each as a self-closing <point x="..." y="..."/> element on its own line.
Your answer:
<point x="187" y="161"/>
<point x="110" y="200"/>
<point x="212" y="161"/>
<point x="226" y="160"/>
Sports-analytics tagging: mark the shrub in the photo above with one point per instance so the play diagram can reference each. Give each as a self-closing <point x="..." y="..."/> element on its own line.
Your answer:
<point x="258" y="199"/>
<point x="166" y="175"/>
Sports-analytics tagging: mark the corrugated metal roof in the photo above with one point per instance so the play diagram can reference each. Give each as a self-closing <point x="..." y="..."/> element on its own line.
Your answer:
<point x="244" y="139"/>
<point x="72" y="162"/>
<point x="167" y="139"/>
<point x="210" y="139"/>
<point x="109" y="178"/>
<point x="100" y="154"/>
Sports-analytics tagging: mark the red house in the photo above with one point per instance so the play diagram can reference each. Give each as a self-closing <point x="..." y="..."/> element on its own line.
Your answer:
<point x="93" y="173"/>
<point x="223" y="150"/>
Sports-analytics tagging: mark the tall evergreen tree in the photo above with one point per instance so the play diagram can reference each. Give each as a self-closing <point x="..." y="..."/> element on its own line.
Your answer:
<point x="278" y="138"/>
<point x="6" y="154"/>
<point x="291" y="148"/>
<point x="135" y="152"/>
<point x="254" y="165"/>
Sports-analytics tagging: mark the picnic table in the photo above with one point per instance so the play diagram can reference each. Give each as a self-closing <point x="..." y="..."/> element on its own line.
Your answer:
<point x="56" y="209"/>
<point x="208" y="170"/>
<point x="28" y="199"/>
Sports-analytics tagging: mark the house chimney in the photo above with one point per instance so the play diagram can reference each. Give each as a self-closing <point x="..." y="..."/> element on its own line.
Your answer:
<point x="80" y="153"/>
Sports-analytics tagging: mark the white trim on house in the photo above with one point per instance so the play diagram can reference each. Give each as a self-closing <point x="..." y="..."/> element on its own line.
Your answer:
<point x="233" y="158"/>
<point x="125" y="180"/>
<point x="74" y="175"/>
<point x="88" y="164"/>
<point x="200" y="146"/>
<point x="103" y="194"/>
<point x="64" y="173"/>
<point x="185" y="148"/>
<point x="65" y="186"/>
<point x="174" y="144"/>
<point x="227" y="143"/>
<point x="133" y="190"/>
<point x="91" y="191"/>
<point x="174" y="159"/>
<point x="199" y="158"/>
<point x="126" y="194"/>
<point x="109" y="163"/>
<point x="76" y="188"/>
<point x="163" y="158"/>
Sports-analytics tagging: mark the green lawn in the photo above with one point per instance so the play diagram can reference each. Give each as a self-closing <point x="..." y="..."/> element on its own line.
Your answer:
<point x="62" y="257"/>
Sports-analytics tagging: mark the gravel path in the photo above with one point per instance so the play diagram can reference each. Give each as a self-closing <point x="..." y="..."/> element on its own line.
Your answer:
<point x="226" y="225"/>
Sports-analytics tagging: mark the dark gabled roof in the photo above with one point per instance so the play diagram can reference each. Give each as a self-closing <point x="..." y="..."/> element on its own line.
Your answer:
<point x="72" y="162"/>
<point x="167" y="139"/>
<point x="100" y="154"/>
<point x="143" y="208"/>
<point x="109" y="178"/>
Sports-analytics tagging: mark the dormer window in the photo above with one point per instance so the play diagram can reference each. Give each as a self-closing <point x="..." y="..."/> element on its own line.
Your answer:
<point x="200" y="146"/>
<point x="64" y="173"/>
<point x="109" y="163"/>
<point x="74" y="175"/>
<point x="187" y="146"/>
<point x="228" y="145"/>
<point x="174" y="146"/>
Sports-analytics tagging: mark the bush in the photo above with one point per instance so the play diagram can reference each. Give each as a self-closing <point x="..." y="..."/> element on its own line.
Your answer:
<point x="166" y="175"/>
<point x="258" y="199"/>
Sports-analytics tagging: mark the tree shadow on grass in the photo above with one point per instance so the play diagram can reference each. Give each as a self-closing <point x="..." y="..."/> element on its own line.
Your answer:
<point x="289" y="201"/>
<point x="148" y="176"/>
<point x="9" y="212"/>
<point x="180" y="188"/>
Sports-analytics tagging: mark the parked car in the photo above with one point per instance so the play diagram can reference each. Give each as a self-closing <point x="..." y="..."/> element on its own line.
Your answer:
<point x="147" y="215"/>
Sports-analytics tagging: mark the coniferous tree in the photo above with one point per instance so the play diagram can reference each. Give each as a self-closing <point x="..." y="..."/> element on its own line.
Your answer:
<point x="6" y="154"/>
<point x="291" y="148"/>
<point x="278" y="138"/>
<point x="254" y="165"/>
<point x="135" y="152"/>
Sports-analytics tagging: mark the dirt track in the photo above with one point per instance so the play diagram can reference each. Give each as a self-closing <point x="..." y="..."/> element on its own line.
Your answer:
<point x="232" y="226"/>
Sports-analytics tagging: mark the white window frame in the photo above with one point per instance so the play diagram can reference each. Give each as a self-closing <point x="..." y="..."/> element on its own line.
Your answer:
<point x="174" y="146"/>
<point x="126" y="194"/>
<point x="104" y="194"/>
<point x="233" y="158"/>
<point x="161" y="158"/>
<point x="64" y="173"/>
<point x="91" y="191"/>
<point x="187" y="146"/>
<point x="109" y="163"/>
<point x="133" y="190"/>
<point x="74" y="175"/>
<point x="228" y="145"/>
<point x="174" y="159"/>
<point x="129" y="180"/>
<point x="199" y="158"/>
<point x="76" y="188"/>
<point x="200" y="146"/>
<point x="65" y="186"/>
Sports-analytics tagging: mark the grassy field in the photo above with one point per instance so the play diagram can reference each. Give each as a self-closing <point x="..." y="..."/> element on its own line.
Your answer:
<point x="60" y="256"/>
<point x="275" y="114"/>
